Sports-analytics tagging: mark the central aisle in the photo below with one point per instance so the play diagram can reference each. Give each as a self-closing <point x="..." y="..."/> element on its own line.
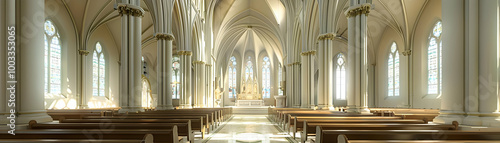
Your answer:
<point x="249" y="129"/>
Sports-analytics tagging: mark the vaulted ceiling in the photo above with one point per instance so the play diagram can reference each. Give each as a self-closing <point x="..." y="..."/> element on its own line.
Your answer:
<point x="234" y="20"/>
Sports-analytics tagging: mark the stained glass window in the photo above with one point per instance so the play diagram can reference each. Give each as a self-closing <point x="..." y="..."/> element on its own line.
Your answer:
<point x="176" y="77"/>
<point x="146" y="93"/>
<point x="340" y="78"/>
<point x="280" y="73"/>
<point x="52" y="61"/>
<point x="434" y="60"/>
<point x="393" y="71"/>
<point x="249" y="69"/>
<point x="232" y="77"/>
<point x="99" y="71"/>
<point x="266" y="78"/>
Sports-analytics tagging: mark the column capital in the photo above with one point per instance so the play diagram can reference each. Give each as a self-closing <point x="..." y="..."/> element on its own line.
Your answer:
<point x="129" y="9"/>
<point x="296" y="63"/>
<point x="198" y="62"/>
<point x="83" y="52"/>
<point x="358" y="9"/>
<point x="407" y="53"/>
<point x="327" y="36"/>
<point x="186" y="53"/>
<point x="164" y="36"/>
<point x="312" y="52"/>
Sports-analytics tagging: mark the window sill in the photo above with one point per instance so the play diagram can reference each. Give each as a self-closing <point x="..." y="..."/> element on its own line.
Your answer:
<point x="386" y="97"/>
<point x="54" y="96"/>
<point x="432" y="96"/>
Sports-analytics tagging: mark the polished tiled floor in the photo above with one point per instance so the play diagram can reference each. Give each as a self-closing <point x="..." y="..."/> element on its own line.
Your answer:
<point x="249" y="129"/>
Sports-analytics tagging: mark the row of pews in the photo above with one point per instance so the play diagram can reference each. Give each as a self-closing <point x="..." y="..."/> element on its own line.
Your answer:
<point x="382" y="125"/>
<point x="109" y="126"/>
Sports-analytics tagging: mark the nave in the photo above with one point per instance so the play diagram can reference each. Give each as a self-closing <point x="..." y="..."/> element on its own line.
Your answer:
<point x="249" y="128"/>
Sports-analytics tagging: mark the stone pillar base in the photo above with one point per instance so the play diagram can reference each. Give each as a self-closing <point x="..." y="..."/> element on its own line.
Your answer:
<point x="39" y="117"/>
<point x="131" y="110"/>
<point x="186" y="106"/>
<point x="166" y="107"/>
<point x="83" y="107"/>
<point x="491" y="121"/>
<point x="473" y="120"/>
<point x="4" y="120"/>
<point x="357" y="110"/>
<point x="448" y="119"/>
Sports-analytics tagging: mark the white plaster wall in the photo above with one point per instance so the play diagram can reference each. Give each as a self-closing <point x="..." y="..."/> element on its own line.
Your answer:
<point x="55" y="11"/>
<point x="430" y="15"/>
<point x="103" y="35"/>
<point x="388" y="37"/>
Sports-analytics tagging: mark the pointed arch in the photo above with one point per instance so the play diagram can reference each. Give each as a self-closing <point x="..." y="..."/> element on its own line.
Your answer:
<point x="266" y="77"/>
<point x="393" y="71"/>
<point x="434" y="60"/>
<point x="52" y="59"/>
<point x="340" y="77"/>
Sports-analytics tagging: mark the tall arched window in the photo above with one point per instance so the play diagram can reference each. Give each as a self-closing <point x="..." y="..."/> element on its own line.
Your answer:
<point x="249" y="69"/>
<point x="393" y="71"/>
<point x="340" y="78"/>
<point x="266" y="78"/>
<point x="232" y="77"/>
<point x="52" y="59"/>
<point x="434" y="60"/>
<point x="175" y="77"/>
<point x="99" y="71"/>
<point x="146" y="93"/>
<point x="280" y="73"/>
<point x="144" y="67"/>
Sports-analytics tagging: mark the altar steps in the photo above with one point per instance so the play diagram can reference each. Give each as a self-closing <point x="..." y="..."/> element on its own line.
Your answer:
<point x="250" y="110"/>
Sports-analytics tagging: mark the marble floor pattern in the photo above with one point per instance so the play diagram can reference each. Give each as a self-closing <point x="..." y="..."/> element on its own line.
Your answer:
<point x="249" y="129"/>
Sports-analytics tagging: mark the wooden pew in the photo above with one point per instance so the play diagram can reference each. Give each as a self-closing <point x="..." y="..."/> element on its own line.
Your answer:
<point x="297" y="126"/>
<point x="331" y="136"/>
<point x="183" y="129"/>
<point x="79" y="113"/>
<point x="274" y="112"/>
<point x="196" y="124"/>
<point x="208" y="116"/>
<point x="428" y="114"/>
<point x="310" y="128"/>
<point x="72" y="141"/>
<point x="290" y="120"/>
<point x="160" y="136"/>
<point x="343" y="139"/>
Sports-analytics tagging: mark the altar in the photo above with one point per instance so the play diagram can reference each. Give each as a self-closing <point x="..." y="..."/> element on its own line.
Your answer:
<point x="249" y="95"/>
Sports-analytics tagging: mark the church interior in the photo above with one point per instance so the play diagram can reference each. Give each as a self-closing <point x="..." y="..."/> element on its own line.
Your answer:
<point x="250" y="71"/>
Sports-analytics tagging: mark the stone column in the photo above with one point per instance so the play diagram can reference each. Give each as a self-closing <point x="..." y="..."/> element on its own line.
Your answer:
<point x="472" y="63"/>
<point x="199" y="97"/>
<point x="130" y="69"/>
<point x="488" y="63"/>
<point x="164" y="71"/>
<point x="452" y="107"/>
<point x="3" y="60"/>
<point x="186" y="100"/>
<point x="297" y="85"/>
<point x="307" y="76"/>
<point x="83" y="99"/>
<point x="210" y="98"/>
<point x="30" y="90"/>
<point x="325" y="93"/>
<point x="288" y="88"/>
<point x="357" y="56"/>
